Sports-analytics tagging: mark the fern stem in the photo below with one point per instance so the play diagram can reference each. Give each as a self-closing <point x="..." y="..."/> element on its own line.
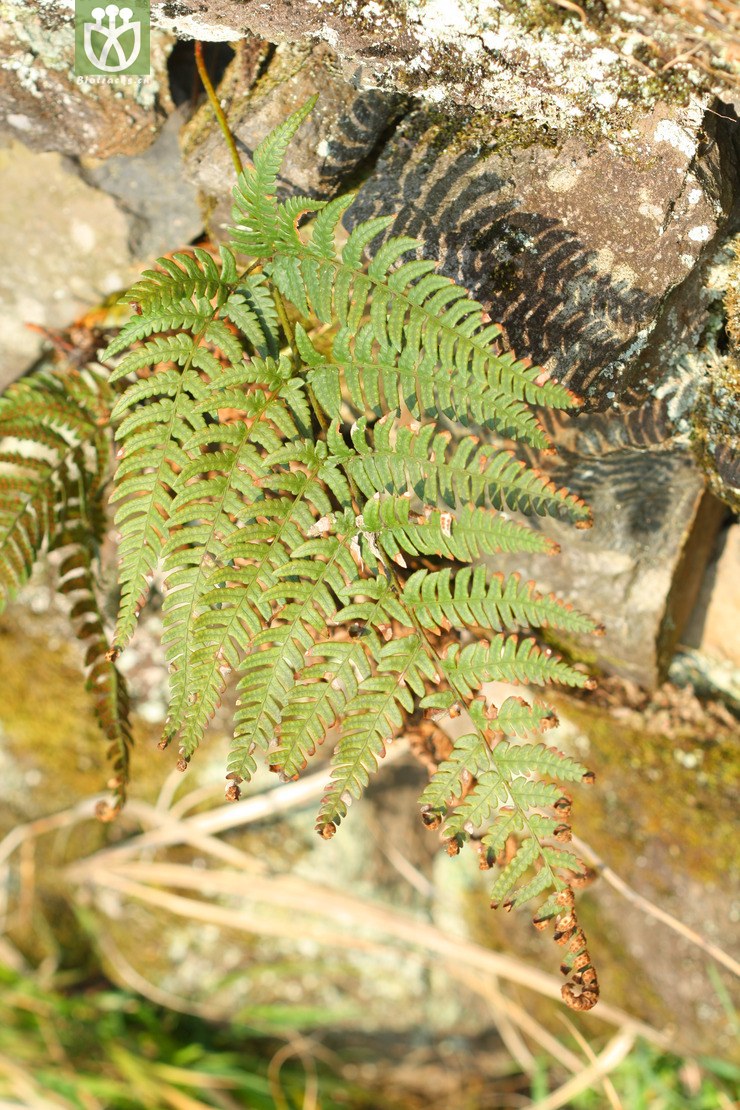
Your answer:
<point x="218" y="110"/>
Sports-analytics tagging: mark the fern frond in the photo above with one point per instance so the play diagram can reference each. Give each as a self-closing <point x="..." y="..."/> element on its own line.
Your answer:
<point x="472" y="599"/>
<point x="487" y="784"/>
<point x="202" y="515"/>
<point x="252" y="309"/>
<point x="54" y="458"/>
<point x="234" y="611"/>
<point x="105" y="682"/>
<point x="159" y="414"/>
<point x="52" y="447"/>
<point x="255" y="208"/>
<point x="306" y="589"/>
<point x="281" y="526"/>
<point x="424" y="460"/>
<point x="507" y="659"/>
<point x="208" y="513"/>
<point x="183" y="295"/>
<point x="463" y="536"/>
<point x="147" y="477"/>
<point x="319" y="701"/>
<point x="181" y="277"/>
<point x="373" y="717"/>
<point x="469" y="755"/>
<point x="382" y="379"/>
<point x="411" y="309"/>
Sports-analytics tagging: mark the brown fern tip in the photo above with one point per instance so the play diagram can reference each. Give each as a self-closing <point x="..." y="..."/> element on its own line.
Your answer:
<point x="105" y="812"/>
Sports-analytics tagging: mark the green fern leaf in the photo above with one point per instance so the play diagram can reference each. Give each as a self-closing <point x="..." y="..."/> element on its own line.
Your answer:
<point x="319" y="701"/>
<point x="372" y="718"/>
<point x="255" y="209"/>
<point x="471" y="599"/>
<point x="506" y="659"/>
<point x="424" y="461"/>
<point x="463" y="536"/>
<point x="468" y="756"/>
<point x="516" y="717"/>
<point x="153" y="457"/>
<point x="159" y="414"/>
<point x="305" y="588"/>
<point x="105" y="683"/>
<point x="51" y="482"/>
<point x="52" y="448"/>
<point x="382" y="379"/>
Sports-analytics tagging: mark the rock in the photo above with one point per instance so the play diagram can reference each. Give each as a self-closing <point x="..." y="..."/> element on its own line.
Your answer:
<point x="150" y="189"/>
<point x="565" y="67"/>
<point x="340" y="135"/>
<point x="572" y="246"/>
<point x="65" y="247"/>
<point x="316" y="958"/>
<point x="579" y="283"/>
<point x="46" y="107"/>
<point x="715" y="621"/>
<point x="661" y="814"/>
<point x="638" y="570"/>
<point x="715" y="419"/>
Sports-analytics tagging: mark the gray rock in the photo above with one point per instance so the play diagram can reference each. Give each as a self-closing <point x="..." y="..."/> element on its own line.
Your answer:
<point x="640" y="567"/>
<point x="582" y="255"/>
<point x="150" y="189"/>
<point x="572" y="247"/>
<point x="65" y="247"/>
<point x="587" y="72"/>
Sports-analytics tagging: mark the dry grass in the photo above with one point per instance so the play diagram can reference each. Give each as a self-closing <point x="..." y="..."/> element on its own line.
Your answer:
<point x="136" y="869"/>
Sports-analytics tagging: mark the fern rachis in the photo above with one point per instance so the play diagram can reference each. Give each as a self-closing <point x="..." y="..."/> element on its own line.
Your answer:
<point x="317" y="522"/>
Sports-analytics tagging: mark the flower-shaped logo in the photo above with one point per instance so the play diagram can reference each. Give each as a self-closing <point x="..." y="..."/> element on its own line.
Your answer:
<point x="112" y="41"/>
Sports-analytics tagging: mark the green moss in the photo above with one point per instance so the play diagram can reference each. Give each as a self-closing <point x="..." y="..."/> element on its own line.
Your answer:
<point x="536" y="16"/>
<point x="716" y="429"/>
<point x="47" y="721"/>
<point x="716" y="415"/>
<point x="469" y="129"/>
<point x="669" y="792"/>
<point x="49" y="735"/>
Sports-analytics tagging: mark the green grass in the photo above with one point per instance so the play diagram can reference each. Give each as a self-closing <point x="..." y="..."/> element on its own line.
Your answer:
<point x="96" y="1047"/>
<point x="652" y="1080"/>
<point x="93" y="1047"/>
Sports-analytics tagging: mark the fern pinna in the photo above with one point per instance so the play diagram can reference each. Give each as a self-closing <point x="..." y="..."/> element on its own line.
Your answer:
<point x="293" y="453"/>
<point x="54" y="463"/>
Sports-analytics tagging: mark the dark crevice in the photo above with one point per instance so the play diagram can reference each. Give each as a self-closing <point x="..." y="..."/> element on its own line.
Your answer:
<point x="185" y="86"/>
